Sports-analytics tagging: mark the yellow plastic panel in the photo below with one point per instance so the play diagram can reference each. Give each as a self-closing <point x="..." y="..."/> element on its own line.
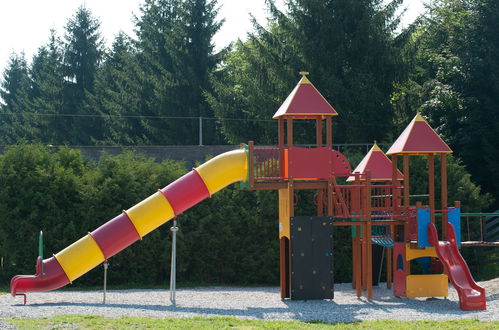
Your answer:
<point x="151" y="213"/>
<point x="80" y="257"/>
<point x="284" y="228"/>
<point x="434" y="285"/>
<point x="428" y="251"/>
<point x="227" y="168"/>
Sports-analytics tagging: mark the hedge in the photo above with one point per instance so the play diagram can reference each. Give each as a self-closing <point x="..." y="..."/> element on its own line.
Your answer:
<point x="231" y="238"/>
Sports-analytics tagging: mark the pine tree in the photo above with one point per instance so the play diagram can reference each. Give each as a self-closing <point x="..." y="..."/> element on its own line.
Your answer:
<point x="154" y="31"/>
<point x="47" y="93"/>
<point x="15" y="124"/>
<point x="195" y="60"/>
<point x="350" y="50"/>
<point x="118" y="94"/>
<point x="83" y="52"/>
<point x="176" y="54"/>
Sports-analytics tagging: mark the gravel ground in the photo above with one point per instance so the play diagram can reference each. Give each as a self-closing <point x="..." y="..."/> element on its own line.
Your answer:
<point x="254" y="303"/>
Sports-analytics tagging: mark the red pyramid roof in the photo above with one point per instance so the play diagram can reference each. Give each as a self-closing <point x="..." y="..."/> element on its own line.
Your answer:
<point x="378" y="164"/>
<point x="419" y="138"/>
<point x="305" y="101"/>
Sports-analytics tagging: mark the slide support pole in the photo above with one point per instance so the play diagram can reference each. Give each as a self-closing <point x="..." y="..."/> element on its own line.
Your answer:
<point x="173" y="280"/>
<point x="106" y="265"/>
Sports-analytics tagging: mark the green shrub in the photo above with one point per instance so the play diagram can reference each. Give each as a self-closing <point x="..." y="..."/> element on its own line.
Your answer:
<point x="230" y="238"/>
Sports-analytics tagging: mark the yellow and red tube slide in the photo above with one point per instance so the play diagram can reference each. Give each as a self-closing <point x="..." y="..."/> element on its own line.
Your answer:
<point x="134" y="223"/>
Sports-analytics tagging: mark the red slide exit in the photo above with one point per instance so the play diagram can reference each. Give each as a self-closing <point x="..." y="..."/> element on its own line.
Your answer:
<point x="471" y="295"/>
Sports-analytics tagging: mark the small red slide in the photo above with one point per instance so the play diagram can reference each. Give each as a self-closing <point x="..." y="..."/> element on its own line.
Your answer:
<point x="471" y="295"/>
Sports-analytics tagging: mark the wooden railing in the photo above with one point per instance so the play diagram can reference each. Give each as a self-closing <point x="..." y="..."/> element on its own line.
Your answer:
<point x="266" y="163"/>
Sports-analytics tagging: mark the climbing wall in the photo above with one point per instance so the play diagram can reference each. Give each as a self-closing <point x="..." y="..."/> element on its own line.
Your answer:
<point x="312" y="269"/>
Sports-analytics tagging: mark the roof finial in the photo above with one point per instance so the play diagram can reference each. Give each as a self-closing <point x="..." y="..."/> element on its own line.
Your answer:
<point x="304" y="73"/>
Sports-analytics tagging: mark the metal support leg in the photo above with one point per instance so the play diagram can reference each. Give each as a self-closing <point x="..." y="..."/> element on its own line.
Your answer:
<point x="173" y="267"/>
<point x="106" y="265"/>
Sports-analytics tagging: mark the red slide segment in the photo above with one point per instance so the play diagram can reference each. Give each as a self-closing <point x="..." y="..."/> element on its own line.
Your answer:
<point x="471" y="296"/>
<point x="53" y="278"/>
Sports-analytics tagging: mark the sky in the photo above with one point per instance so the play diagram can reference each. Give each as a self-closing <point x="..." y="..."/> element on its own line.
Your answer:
<point x="25" y="24"/>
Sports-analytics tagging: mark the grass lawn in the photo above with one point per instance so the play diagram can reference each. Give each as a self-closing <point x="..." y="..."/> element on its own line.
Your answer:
<point x="99" y="322"/>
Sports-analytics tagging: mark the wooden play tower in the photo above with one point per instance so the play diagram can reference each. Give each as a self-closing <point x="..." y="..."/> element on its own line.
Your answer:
<point x="373" y="199"/>
<point x="288" y="168"/>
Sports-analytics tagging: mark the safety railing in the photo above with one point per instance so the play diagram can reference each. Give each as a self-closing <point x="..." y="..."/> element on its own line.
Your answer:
<point x="488" y="227"/>
<point x="266" y="163"/>
<point x="381" y="197"/>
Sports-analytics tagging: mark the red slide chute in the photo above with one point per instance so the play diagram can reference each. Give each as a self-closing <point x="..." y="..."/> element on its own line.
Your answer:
<point x="471" y="295"/>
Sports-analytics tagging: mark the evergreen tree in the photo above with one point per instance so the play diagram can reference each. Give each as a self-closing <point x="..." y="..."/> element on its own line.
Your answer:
<point x="83" y="52"/>
<point x="14" y="93"/>
<point x="350" y="50"/>
<point x="195" y="61"/>
<point x="47" y="92"/>
<point x="176" y="54"/>
<point x="118" y="94"/>
<point x="154" y="33"/>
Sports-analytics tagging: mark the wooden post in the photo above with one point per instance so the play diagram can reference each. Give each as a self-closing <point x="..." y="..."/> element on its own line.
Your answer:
<point x="431" y="186"/>
<point x="319" y="131"/>
<point x="290" y="131"/>
<point x="368" y="237"/>
<point x="443" y="181"/>
<point x="390" y="232"/>
<point x="358" y="266"/>
<point x="355" y="233"/>
<point x="281" y="132"/>
<point x="330" y="190"/>
<point x="395" y="194"/>
<point x="283" y="242"/>
<point x="395" y="191"/>
<point x="363" y="207"/>
<point x="406" y="195"/>
<point x="320" y="192"/>
<point x="356" y="203"/>
<point x="329" y="132"/>
<point x="407" y="202"/>
<point x="320" y="202"/>
<point x="406" y="183"/>
<point x="283" y="267"/>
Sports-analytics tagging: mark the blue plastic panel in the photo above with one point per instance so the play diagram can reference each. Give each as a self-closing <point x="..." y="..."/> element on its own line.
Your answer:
<point x="455" y="219"/>
<point x="423" y="221"/>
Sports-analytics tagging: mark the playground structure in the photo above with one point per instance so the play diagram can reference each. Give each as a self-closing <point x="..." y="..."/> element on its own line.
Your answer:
<point x="374" y="201"/>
